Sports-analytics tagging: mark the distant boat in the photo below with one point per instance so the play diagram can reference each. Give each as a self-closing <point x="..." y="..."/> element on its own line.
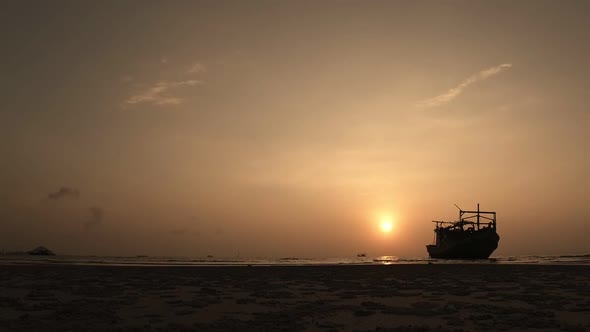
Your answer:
<point x="41" y="251"/>
<point x="466" y="238"/>
<point x="362" y="254"/>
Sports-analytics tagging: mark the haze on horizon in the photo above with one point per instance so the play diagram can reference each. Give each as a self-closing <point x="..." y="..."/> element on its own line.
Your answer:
<point x="290" y="128"/>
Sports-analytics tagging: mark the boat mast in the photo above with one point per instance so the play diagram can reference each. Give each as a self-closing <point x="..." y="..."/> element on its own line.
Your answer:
<point x="477" y="216"/>
<point x="460" y="212"/>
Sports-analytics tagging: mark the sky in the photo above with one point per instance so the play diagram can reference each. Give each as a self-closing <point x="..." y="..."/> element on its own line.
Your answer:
<point x="292" y="128"/>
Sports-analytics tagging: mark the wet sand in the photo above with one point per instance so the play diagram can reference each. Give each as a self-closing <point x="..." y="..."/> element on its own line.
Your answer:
<point x="310" y="298"/>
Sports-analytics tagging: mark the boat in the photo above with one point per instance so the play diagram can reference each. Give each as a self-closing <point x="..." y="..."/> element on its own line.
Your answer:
<point x="362" y="254"/>
<point x="474" y="236"/>
<point x="41" y="251"/>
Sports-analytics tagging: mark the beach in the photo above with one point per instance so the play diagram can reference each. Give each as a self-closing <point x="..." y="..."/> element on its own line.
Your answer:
<point x="425" y="297"/>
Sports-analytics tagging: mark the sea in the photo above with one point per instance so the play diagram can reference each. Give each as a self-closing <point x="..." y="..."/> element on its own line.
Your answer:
<point x="24" y="259"/>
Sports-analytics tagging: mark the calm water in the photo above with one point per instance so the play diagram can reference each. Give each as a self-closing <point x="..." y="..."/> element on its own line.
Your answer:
<point x="214" y="261"/>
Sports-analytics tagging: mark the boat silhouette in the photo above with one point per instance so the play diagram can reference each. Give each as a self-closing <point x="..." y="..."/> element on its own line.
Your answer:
<point x="466" y="238"/>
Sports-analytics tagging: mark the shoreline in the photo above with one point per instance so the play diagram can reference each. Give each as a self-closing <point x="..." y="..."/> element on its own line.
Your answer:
<point x="581" y="259"/>
<point x="396" y="297"/>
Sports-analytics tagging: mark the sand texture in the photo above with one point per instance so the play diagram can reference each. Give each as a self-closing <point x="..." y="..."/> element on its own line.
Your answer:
<point x="309" y="298"/>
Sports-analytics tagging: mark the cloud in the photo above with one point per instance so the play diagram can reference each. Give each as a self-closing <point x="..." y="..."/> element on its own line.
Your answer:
<point x="63" y="193"/>
<point x="197" y="68"/>
<point x="95" y="218"/>
<point x="166" y="91"/>
<point x="161" y="93"/>
<point x="456" y="91"/>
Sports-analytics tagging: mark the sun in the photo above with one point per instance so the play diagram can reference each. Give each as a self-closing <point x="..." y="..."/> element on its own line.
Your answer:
<point x="386" y="224"/>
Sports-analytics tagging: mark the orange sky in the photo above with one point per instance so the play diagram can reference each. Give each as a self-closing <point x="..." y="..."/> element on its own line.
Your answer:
<point x="288" y="128"/>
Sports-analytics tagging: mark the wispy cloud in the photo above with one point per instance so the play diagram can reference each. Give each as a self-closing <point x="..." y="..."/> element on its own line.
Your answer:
<point x="456" y="91"/>
<point x="161" y="93"/>
<point x="166" y="90"/>
<point x="197" y="68"/>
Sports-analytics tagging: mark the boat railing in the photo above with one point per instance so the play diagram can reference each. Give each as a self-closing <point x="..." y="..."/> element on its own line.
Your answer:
<point x="477" y="219"/>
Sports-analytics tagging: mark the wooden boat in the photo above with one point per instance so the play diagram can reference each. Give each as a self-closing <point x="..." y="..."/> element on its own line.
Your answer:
<point x="468" y="238"/>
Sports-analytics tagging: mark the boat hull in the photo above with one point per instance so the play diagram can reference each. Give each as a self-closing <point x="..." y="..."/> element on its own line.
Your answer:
<point x="479" y="245"/>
